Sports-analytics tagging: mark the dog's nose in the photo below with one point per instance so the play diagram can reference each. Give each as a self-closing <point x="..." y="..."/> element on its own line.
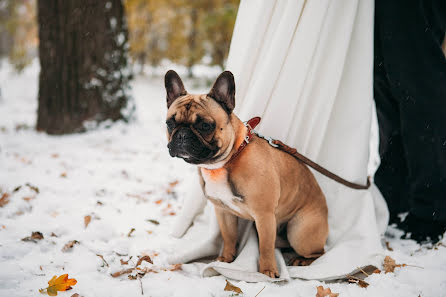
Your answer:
<point x="182" y="135"/>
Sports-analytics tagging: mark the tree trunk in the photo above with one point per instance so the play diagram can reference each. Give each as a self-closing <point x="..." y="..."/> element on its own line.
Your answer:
<point x="84" y="76"/>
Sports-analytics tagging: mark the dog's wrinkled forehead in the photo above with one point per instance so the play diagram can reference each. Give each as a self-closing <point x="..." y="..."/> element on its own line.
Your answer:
<point x="186" y="108"/>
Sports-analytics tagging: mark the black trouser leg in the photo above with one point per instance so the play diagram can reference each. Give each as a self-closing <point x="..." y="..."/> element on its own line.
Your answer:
<point x="410" y="95"/>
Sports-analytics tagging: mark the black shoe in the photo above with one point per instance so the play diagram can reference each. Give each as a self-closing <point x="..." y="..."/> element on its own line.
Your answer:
<point x="422" y="230"/>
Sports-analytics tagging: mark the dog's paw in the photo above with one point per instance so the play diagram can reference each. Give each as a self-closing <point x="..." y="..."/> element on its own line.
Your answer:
<point x="273" y="273"/>
<point x="227" y="259"/>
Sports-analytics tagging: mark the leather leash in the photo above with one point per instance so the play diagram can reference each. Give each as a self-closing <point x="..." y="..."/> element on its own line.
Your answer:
<point x="252" y="123"/>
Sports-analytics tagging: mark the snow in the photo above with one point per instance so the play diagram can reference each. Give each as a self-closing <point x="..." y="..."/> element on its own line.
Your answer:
<point x="122" y="177"/>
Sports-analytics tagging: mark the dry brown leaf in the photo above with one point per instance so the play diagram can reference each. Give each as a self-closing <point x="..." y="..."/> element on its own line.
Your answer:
<point x="159" y="201"/>
<point x="121" y="272"/>
<point x="388" y="246"/>
<point x="130" y="232"/>
<point x="172" y="186"/>
<point x="125" y="262"/>
<point x="4" y="199"/>
<point x="87" y="220"/>
<point x="29" y="198"/>
<point x="175" y="267"/>
<point x="55" y="155"/>
<point x="155" y="222"/>
<point x="63" y="174"/>
<point x="231" y="287"/>
<point x="360" y="282"/>
<point x="144" y="258"/>
<point x="35" y="236"/>
<point x="322" y="292"/>
<point x="377" y="271"/>
<point x="34" y="188"/>
<point x="103" y="260"/>
<point x="390" y="264"/>
<point x="69" y="245"/>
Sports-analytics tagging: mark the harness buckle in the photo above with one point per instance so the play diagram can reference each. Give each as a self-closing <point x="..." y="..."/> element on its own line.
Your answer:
<point x="247" y="139"/>
<point x="270" y="141"/>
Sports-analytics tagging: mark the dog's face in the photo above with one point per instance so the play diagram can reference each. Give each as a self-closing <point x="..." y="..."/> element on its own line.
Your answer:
<point x="199" y="129"/>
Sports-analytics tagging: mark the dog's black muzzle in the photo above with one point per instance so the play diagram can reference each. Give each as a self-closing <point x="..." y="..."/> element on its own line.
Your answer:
<point x="186" y="145"/>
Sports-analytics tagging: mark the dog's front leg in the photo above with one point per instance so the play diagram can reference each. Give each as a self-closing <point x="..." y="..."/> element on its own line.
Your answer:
<point x="266" y="229"/>
<point x="228" y="229"/>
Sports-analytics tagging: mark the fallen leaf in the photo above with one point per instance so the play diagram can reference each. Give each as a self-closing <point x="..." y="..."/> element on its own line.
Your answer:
<point x="35" y="236"/>
<point x="28" y="199"/>
<point x="322" y="292"/>
<point x="125" y="262"/>
<point x="390" y="264"/>
<point x="61" y="283"/>
<point x="139" y="198"/>
<point x="144" y="258"/>
<point x="121" y="272"/>
<point x="360" y="282"/>
<point x="55" y="155"/>
<point x="231" y="287"/>
<point x="149" y="231"/>
<point x="175" y="267"/>
<point x="4" y="199"/>
<point x="388" y="246"/>
<point x="155" y="222"/>
<point x="159" y="201"/>
<point x="76" y="295"/>
<point x="34" y="188"/>
<point x="69" y="245"/>
<point x="377" y="271"/>
<point x="130" y="232"/>
<point x="53" y="234"/>
<point x="171" y="186"/>
<point x="103" y="260"/>
<point x="87" y="220"/>
<point x="63" y="174"/>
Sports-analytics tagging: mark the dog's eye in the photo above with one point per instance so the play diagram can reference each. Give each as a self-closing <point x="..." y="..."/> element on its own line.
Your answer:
<point x="205" y="127"/>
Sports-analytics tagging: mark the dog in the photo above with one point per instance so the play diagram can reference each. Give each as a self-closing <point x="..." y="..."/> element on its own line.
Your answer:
<point x="259" y="183"/>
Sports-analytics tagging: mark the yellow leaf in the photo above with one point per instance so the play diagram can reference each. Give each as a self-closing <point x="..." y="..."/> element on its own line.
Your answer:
<point x="61" y="283"/>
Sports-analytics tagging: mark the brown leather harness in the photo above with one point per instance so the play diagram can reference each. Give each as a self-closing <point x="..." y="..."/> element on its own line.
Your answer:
<point x="252" y="123"/>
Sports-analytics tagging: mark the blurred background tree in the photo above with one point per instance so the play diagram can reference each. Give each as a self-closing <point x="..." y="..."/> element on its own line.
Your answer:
<point x="18" y="32"/>
<point x="185" y="32"/>
<point x="84" y="45"/>
<point x="181" y="31"/>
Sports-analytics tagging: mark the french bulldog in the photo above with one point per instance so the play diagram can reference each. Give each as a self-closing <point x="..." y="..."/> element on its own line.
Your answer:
<point x="259" y="183"/>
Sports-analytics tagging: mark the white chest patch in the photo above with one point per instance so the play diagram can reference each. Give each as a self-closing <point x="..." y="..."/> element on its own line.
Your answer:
<point x="217" y="187"/>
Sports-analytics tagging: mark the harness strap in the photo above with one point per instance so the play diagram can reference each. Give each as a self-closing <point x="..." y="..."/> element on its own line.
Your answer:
<point x="252" y="123"/>
<point x="293" y="152"/>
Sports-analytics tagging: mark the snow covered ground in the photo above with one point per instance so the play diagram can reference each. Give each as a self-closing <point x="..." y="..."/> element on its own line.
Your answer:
<point x="124" y="179"/>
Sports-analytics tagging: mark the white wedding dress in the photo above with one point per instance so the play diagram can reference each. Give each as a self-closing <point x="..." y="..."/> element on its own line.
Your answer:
<point x="306" y="68"/>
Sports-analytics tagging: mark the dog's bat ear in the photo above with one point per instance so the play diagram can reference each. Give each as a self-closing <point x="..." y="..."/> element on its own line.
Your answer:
<point x="174" y="87"/>
<point x="223" y="91"/>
